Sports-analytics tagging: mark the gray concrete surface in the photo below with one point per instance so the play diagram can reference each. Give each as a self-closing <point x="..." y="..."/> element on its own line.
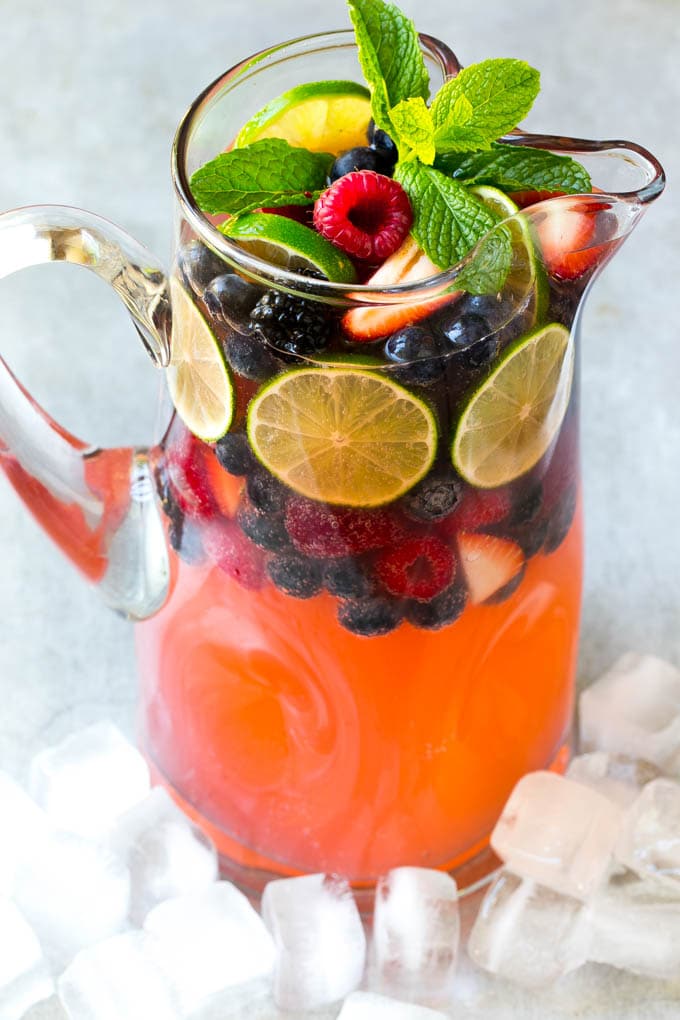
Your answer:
<point x="90" y="94"/>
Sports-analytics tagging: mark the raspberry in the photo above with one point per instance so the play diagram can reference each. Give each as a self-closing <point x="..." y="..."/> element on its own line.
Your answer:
<point x="330" y="532"/>
<point x="365" y="214"/>
<point x="187" y="476"/>
<point x="419" y="568"/>
<point x="477" y="509"/>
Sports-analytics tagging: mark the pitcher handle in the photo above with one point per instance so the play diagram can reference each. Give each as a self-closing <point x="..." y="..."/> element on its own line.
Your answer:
<point x="100" y="506"/>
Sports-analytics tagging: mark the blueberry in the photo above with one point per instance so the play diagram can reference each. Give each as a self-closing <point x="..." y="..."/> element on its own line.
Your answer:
<point x="296" y="575"/>
<point x="231" y="298"/>
<point x="266" y="531"/>
<point x="417" y="354"/>
<point x="248" y="355"/>
<point x="439" y="611"/>
<point x="433" y="498"/>
<point x="379" y="139"/>
<point x="347" y="579"/>
<point x="528" y="505"/>
<point x="463" y="331"/>
<point x="361" y="158"/>
<point x="531" y="537"/>
<point x="265" y="492"/>
<point x="234" y="453"/>
<point x="369" y="617"/>
<point x="185" y="539"/>
<point x="561" y="520"/>
<point x="507" y="590"/>
<point x="199" y="265"/>
<point x="496" y="309"/>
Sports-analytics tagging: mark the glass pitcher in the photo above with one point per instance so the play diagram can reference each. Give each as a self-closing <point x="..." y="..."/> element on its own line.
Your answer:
<point x="325" y="687"/>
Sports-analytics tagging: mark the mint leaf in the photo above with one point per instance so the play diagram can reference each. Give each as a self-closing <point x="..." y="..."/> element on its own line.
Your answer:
<point x="517" y="168"/>
<point x="390" y="57"/>
<point x="267" y="173"/>
<point x="483" y="102"/>
<point x="487" y="270"/>
<point x="448" y="220"/>
<point x="414" y="129"/>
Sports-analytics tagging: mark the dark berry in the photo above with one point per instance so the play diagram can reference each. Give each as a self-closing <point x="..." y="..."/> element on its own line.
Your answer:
<point x="560" y="520"/>
<point x="185" y="539"/>
<point x="231" y="551"/>
<point x="507" y="590"/>
<point x="495" y="309"/>
<point x="199" y="265"/>
<point x="370" y="617"/>
<point x="265" y="492"/>
<point x="417" y="354"/>
<point x="439" y="611"/>
<point x="528" y="506"/>
<point x="361" y="158"/>
<point x="379" y="139"/>
<point x="462" y="331"/>
<point x="365" y="214"/>
<point x="231" y="298"/>
<point x="264" y="530"/>
<point x="435" y="497"/>
<point x="530" y="537"/>
<point x="347" y="579"/>
<point x="249" y="356"/>
<point x="328" y="532"/>
<point x="418" y="568"/>
<point x="234" y="453"/>
<point x="296" y="575"/>
<point x="292" y="324"/>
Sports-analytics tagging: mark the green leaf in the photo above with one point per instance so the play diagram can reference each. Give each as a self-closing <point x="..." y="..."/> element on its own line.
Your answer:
<point x="517" y="168"/>
<point x="414" y="129"/>
<point x="269" y="172"/>
<point x="487" y="270"/>
<point x="483" y="102"/>
<point x="390" y="57"/>
<point x="448" y="220"/>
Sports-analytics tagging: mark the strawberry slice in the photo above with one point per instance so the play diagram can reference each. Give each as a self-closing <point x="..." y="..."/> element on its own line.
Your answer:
<point x="525" y="198"/>
<point x="408" y="264"/>
<point x="489" y="563"/>
<point x="568" y="235"/>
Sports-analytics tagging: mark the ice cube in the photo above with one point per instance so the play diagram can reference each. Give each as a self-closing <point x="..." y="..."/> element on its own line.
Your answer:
<point x="168" y="856"/>
<point x="557" y="832"/>
<point x="73" y="893"/>
<point x="650" y="837"/>
<point x="634" y="709"/>
<point x="635" y="926"/>
<point x="319" y="937"/>
<point x="416" y="932"/>
<point x="24" y="977"/>
<point x="23" y="824"/>
<point x="369" y="1006"/>
<point x="527" y="933"/>
<point x="615" y="776"/>
<point x="209" y="943"/>
<point x="116" y="980"/>
<point x="89" y="779"/>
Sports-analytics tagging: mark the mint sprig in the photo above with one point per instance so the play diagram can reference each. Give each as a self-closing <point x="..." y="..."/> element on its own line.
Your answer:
<point x="269" y="172"/>
<point x="517" y="168"/>
<point x="415" y="129"/>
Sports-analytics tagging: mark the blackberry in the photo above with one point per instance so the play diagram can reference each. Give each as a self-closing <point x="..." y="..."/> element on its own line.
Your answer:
<point x="435" y="497"/>
<point x="295" y="575"/>
<point x="249" y="356"/>
<point x="507" y="590"/>
<point x="361" y="158"/>
<point x="416" y="356"/>
<point x="370" y="617"/>
<point x="381" y="141"/>
<point x="199" y="265"/>
<point x="231" y="298"/>
<point x="561" y="520"/>
<point x="265" y="492"/>
<point x="292" y="324"/>
<point x="346" y="578"/>
<point x="439" y="611"/>
<point x="234" y="453"/>
<point x="264" y="530"/>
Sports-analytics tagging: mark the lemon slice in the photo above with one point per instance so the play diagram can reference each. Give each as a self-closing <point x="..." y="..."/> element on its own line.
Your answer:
<point x="344" y="436"/>
<point x="289" y="244"/>
<point x="323" y="116"/>
<point x="198" y="378"/>
<point x="516" y="413"/>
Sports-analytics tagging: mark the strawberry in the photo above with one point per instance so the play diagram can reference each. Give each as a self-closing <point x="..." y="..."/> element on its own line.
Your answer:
<point x="187" y="474"/>
<point x="408" y="265"/>
<point x="233" y="553"/>
<point x="525" y="198"/>
<point x="567" y="236"/>
<point x="365" y="214"/>
<point x="419" y="568"/>
<point x="489" y="563"/>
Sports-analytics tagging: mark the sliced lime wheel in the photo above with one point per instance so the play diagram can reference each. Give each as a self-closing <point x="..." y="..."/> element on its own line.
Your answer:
<point x="323" y="116"/>
<point x="344" y="436"/>
<point x="289" y="244"/>
<point x="516" y="413"/>
<point x="198" y="378"/>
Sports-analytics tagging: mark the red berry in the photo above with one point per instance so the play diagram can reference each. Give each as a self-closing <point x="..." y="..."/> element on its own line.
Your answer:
<point x="477" y="509"/>
<point x="366" y="214"/>
<point x="419" y="568"/>
<point x="188" y="476"/>
<point x="233" y="553"/>
<point x="325" y="531"/>
<point x="489" y="564"/>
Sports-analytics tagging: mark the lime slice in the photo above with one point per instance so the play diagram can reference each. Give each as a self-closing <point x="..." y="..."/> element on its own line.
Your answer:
<point x="289" y="244"/>
<point x="198" y="378"/>
<point x="342" y="435"/>
<point x="516" y="413"/>
<point x="323" y="116"/>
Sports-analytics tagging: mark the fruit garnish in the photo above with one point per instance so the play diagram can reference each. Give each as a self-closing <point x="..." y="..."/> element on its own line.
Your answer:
<point x="286" y="243"/>
<point x="344" y="436"/>
<point x="419" y="568"/>
<point x="329" y="532"/>
<point x="365" y="214"/>
<point x="408" y="265"/>
<point x="198" y="378"/>
<point x="477" y="509"/>
<point x="362" y="157"/>
<point x="489" y="564"/>
<point x="322" y="116"/>
<point x="292" y="324"/>
<point x="233" y="553"/>
<point x="188" y="477"/>
<point x="511" y="420"/>
<point x="566" y="236"/>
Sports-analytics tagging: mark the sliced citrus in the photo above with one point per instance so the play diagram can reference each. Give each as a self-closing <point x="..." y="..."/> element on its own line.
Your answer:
<point x="344" y="436"/>
<point x="323" y="116"/>
<point x="198" y="378"/>
<point x="516" y="413"/>
<point x="289" y="244"/>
